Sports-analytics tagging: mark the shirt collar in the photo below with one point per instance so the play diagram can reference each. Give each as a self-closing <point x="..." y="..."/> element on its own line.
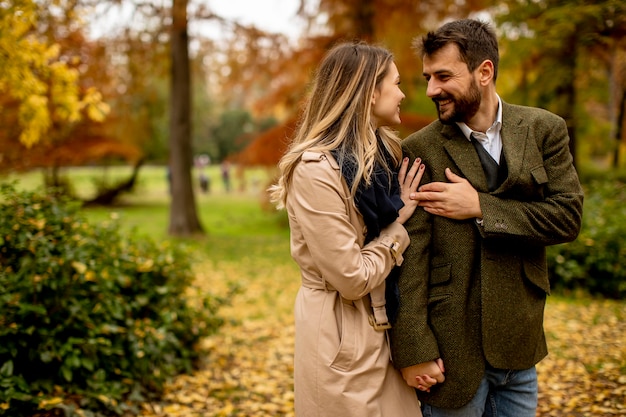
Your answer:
<point x="497" y="124"/>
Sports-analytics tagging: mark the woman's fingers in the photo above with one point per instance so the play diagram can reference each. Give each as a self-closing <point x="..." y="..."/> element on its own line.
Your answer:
<point x="403" y="169"/>
<point x="425" y="382"/>
<point x="410" y="178"/>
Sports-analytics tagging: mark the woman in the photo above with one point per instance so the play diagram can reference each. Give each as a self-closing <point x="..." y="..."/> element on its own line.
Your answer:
<point x="346" y="210"/>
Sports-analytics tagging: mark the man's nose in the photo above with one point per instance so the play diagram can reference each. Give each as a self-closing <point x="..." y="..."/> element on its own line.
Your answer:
<point x="433" y="88"/>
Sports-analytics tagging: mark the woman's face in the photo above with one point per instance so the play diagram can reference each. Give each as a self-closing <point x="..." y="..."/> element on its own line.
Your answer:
<point x="387" y="98"/>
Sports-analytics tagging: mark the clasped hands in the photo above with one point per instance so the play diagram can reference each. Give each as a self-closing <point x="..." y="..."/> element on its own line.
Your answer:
<point x="424" y="375"/>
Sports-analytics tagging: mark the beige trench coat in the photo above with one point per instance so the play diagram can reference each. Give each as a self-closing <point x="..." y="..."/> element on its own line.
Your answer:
<point x="342" y="364"/>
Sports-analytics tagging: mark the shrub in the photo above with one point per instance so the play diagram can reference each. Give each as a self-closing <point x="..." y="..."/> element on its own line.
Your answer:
<point x="594" y="262"/>
<point x="89" y="319"/>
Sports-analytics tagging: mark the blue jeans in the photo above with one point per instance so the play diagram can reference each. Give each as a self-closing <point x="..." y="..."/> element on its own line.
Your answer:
<point x="502" y="393"/>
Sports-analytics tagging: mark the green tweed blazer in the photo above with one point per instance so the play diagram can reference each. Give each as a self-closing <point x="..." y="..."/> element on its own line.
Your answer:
<point x="474" y="294"/>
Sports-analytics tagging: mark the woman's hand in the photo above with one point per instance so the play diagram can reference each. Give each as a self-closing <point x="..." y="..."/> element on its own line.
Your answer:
<point x="424" y="375"/>
<point x="409" y="180"/>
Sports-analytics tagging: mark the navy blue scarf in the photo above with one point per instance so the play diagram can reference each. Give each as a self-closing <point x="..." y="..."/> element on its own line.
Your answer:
<point x="380" y="201"/>
<point x="379" y="204"/>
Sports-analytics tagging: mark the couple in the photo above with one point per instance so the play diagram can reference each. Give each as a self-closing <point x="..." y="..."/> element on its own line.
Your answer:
<point x="464" y="250"/>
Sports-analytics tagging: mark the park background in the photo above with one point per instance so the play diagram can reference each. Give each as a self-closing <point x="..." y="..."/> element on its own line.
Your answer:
<point x="133" y="111"/>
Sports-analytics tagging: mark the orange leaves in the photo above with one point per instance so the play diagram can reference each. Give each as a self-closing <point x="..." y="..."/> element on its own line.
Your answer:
<point x="248" y="368"/>
<point x="247" y="372"/>
<point x="585" y="373"/>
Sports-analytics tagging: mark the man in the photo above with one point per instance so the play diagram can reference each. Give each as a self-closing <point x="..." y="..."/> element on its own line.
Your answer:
<point x="473" y="284"/>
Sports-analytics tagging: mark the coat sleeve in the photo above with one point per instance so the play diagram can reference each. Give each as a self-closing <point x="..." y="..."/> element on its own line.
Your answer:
<point x="319" y="204"/>
<point x="556" y="216"/>
<point x="412" y="339"/>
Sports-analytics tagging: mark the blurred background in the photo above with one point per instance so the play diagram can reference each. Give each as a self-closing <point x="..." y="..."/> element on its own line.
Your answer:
<point x="187" y="85"/>
<point x="170" y="116"/>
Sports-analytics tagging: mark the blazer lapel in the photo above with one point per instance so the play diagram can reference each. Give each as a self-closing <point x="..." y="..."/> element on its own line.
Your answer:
<point x="462" y="152"/>
<point x="514" y="136"/>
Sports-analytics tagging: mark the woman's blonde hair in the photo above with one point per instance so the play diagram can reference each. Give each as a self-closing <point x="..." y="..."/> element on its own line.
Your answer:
<point x="338" y="116"/>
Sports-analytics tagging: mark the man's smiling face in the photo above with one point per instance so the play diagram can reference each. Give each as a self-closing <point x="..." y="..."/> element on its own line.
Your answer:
<point x="451" y="86"/>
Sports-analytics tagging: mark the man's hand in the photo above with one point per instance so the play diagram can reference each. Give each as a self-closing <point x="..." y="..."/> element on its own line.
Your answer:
<point x="424" y="375"/>
<point x="456" y="199"/>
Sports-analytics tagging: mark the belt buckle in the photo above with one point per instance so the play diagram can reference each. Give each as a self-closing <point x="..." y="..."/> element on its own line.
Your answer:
<point x="379" y="327"/>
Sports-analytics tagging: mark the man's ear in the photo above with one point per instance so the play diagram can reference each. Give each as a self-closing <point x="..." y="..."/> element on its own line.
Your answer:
<point x="486" y="71"/>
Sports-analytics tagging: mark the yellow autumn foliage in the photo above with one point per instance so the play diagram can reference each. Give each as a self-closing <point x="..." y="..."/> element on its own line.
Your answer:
<point x="45" y="87"/>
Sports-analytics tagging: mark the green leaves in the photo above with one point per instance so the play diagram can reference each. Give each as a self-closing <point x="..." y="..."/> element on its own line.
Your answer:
<point x="594" y="262"/>
<point x="83" y="308"/>
<point x="7" y="369"/>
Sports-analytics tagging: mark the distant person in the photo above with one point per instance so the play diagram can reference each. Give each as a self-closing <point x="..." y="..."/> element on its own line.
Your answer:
<point x="205" y="183"/>
<point x="346" y="207"/>
<point x="474" y="280"/>
<point x="201" y="162"/>
<point x="225" y="168"/>
<point x="168" y="177"/>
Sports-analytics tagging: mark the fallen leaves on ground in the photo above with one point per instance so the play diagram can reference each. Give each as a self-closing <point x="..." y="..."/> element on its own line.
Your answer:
<point x="246" y="373"/>
<point x="585" y="373"/>
<point x="248" y="368"/>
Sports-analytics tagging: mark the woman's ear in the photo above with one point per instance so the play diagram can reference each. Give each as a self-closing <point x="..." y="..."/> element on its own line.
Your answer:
<point x="375" y="96"/>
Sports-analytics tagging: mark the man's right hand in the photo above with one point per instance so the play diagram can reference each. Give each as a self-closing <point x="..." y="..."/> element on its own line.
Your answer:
<point x="424" y="375"/>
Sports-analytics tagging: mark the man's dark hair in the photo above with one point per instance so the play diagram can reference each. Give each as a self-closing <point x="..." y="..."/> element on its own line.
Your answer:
<point x="475" y="39"/>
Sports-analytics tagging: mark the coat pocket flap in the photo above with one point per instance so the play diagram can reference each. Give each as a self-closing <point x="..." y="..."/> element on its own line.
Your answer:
<point x="537" y="275"/>
<point x="539" y="174"/>
<point x="440" y="274"/>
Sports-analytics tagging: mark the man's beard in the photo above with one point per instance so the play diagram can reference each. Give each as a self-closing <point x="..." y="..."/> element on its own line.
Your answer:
<point x="463" y="107"/>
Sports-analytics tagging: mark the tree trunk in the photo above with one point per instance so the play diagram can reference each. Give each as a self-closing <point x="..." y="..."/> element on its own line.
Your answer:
<point x="618" y="132"/>
<point x="566" y="90"/>
<point x="364" y="22"/>
<point x="183" y="214"/>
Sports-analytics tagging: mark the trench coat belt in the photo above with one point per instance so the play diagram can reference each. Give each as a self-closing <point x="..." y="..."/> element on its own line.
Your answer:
<point x="378" y="312"/>
<point x="374" y="303"/>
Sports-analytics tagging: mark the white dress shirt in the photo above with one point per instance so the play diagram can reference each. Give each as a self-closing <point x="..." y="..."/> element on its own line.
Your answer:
<point x="491" y="140"/>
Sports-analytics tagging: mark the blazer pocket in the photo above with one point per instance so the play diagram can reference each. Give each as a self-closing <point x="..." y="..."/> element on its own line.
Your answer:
<point x="440" y="274"/>
<point x="537" y="274"/>
<point x="539" y="182"/>
<point x="539" y="175"/>
<point x="437" y="290"/>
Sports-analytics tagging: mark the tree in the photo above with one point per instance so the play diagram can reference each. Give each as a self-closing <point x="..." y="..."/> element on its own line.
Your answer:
<point x="231" y="134"/>
<point x="143" y="70"/>
<point x="284" y="68"/>
<point x="183" y="214"/>
<point x="36" y="80"/>
<point x="557" y="44"/>
<point x="65" y="137"/>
